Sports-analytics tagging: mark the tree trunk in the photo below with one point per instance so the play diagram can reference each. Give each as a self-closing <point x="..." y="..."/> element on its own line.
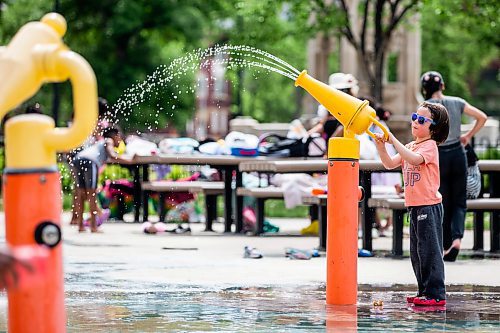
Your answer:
<point x="379" y="77"/>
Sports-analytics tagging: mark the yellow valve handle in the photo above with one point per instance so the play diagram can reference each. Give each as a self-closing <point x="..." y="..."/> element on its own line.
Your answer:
<point x="70" y="64"/>
<point x="382" y="127"/>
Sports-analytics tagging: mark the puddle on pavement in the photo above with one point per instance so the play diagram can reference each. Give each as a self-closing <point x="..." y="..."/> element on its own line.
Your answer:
<point x="118" y="307"/>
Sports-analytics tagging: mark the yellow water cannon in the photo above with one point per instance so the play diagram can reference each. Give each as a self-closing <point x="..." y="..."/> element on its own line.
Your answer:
<point x="355" y="115"/>
<point x="37" y="55"/>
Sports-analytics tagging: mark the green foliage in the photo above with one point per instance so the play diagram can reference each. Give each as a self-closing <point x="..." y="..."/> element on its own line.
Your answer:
<point x="67" y="181"/>
<point x="276" y="208"/>
<point x="177" y="172"/>
<point x="266" y="25"/>
<point x="125" y="41"/>
<point x="459" y="38"/>
<point x="114" y="172"/>
<point x="491" y="153"/>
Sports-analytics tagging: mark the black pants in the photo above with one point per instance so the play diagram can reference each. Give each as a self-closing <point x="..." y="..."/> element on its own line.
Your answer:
<point x="426" y="249"/>
<point x="453" y="188"/>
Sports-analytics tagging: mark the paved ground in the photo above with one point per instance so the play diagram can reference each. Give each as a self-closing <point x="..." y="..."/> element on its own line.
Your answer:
<point x="124" y="253"/>
<point x="126" y="281"/>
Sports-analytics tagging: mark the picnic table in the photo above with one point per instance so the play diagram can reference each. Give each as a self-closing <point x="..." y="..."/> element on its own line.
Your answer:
<point x="225" y="163"/>
<point x="366" y="168"/>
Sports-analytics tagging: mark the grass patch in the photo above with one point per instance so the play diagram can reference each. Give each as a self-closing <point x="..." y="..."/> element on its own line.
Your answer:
<point x="273" y="208"/>
<point x="469" y="221"/>
<point x="276" y="208"/>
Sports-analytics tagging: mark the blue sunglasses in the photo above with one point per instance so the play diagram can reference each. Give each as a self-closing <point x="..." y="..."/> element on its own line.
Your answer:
<point x="421" y="119"/>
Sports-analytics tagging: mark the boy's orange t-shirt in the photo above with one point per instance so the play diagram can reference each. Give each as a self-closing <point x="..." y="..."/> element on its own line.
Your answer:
<point x="422" y="181"/>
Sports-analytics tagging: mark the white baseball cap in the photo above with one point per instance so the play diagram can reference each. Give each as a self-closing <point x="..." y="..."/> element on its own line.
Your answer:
<point x="342" y="81"/>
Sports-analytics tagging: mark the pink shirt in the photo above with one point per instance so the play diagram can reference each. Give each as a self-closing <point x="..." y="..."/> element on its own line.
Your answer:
<point x="422" y="181"/>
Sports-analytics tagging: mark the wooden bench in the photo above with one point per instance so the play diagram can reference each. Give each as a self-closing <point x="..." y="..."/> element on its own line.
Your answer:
<point x="210" y="189"/>
<point x="478" y="206"/>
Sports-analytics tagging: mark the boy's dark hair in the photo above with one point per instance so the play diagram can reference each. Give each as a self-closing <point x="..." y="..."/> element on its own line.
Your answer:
<point x="441" y="128"/>
<point x="431" y="82"/>
<point x="110" y="132"/>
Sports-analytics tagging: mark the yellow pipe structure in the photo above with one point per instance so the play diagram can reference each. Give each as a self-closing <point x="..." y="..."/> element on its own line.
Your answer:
<point x="343" y="193"/>
<point x="37" y="55"/>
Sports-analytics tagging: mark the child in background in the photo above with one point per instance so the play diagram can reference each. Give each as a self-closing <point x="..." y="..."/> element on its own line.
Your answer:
<point x="86" y="166"/>
<point x="419" y="162"/>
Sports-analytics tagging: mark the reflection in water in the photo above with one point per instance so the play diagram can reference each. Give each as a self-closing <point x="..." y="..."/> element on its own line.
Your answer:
<point x="154" y="308"/>
<point x="341" y="318"/>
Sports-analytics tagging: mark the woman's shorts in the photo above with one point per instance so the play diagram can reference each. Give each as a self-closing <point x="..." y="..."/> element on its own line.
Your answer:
<point x="86" y="173"/>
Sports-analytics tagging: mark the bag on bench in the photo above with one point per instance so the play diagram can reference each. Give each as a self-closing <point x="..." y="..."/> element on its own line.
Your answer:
<point x="473" y="174"/>
<point x="277" y="145"/>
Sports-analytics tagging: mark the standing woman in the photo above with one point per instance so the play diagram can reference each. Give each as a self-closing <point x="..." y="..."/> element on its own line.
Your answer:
<point x="452" y="161"/>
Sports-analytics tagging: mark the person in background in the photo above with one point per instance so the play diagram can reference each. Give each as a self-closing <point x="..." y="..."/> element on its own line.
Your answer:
<point x="34" y="109"/>
<point x="452" y="160"/>
<point x="97" y="135"/>
<point x="86" y="166"/>
<point x="419" y="161"/>
<point x="329" y="126"/>
<point x="384" y="182"/>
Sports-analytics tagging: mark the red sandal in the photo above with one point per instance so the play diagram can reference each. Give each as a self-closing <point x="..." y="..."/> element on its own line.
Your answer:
<point x="410" y="299"/>
<point x="424" y="301"/>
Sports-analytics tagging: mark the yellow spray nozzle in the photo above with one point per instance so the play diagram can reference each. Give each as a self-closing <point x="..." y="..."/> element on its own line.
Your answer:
<point x="355" y="115"/>
<point x="35" y="55"/>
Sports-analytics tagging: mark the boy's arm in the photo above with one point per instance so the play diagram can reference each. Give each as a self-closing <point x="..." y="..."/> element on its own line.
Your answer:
<point x="389" y="162"/>
<point x="405" y="153"/>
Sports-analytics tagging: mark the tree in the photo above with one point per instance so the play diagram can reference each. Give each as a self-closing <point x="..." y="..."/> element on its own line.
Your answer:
<point x="124" y="41"/>
<point x="379" y="21"/>
<point x="461" y="39"/>
<point x="265" y="25"/>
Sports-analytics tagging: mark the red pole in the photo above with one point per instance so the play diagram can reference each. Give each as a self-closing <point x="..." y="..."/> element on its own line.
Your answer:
<point x="32" y="202"/>
<point x="342" y="231"/>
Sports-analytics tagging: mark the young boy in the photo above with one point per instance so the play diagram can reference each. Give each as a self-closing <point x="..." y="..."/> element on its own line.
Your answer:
<point x="419" y="162"/>
<point x="86" y="166"/>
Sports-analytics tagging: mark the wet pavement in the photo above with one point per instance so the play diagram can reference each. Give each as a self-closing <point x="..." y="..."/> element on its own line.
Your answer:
<point x="158" y="308"/>
<point x="126" y="281"/>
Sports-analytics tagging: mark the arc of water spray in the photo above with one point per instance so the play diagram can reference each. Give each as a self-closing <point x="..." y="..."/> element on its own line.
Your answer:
<point x="164" y="74"/>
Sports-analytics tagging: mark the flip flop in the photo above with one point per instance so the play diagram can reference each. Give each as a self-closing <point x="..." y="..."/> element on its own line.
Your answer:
<point x="99" y="219"/>
<point x="452" y="255"/>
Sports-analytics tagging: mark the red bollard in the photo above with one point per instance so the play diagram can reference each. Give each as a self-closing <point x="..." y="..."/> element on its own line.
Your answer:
<point x="342" y="228"/>
<point x="33" y="206"/>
